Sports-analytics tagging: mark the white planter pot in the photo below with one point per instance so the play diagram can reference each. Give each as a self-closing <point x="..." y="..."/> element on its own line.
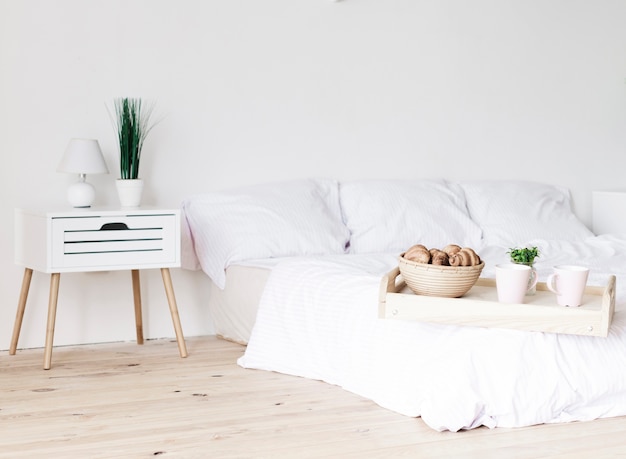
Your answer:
<point x="129" y="192"/>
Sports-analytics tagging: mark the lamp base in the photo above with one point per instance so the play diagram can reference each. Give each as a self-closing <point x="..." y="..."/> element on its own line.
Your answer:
<point x="81" y="194"/>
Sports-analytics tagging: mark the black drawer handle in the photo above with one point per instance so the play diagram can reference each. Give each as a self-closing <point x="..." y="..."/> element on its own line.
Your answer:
<point x="113" y="227"/>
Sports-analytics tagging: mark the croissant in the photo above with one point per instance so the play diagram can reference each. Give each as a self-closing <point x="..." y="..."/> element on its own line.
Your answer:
<point x="475" y="259"/>
<point x="439" y="257"/>
<point x="418" y="253"/>
<point x="465" y="257"/>
<point x="451" y="255"/>
<point x="451" y="249"/>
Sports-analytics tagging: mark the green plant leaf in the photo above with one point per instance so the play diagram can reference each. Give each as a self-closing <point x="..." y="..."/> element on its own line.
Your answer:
<point x="525" y="255"/>
<point x="132" y="120"/>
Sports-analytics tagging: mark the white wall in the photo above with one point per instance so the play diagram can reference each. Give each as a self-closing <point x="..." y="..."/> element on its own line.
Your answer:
<point x="252" y="91"/>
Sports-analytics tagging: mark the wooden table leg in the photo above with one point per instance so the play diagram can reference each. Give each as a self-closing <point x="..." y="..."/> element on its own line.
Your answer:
<point x="137" y="300"/>
<point x="171" y="299"/>
<point x="52" y="312"/>
<point x="21" y="306"/>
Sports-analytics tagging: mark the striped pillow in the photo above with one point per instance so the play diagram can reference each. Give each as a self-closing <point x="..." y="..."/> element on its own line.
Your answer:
<point x="300" y="217"/>
<point x="392" y="215"/>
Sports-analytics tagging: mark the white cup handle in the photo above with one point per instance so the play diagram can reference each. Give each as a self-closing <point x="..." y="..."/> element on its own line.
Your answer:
<point x="550" y="283"/>
<point x="533" y="278"/>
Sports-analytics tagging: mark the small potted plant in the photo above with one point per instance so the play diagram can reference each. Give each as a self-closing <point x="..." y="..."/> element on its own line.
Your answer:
<point x="132" y="121"/>
<point x="524" y="256"/>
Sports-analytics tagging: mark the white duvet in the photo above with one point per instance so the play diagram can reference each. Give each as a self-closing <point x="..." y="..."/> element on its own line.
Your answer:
<point x="318" y="319"/>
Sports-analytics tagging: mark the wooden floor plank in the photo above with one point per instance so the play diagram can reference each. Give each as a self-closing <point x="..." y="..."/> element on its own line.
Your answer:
<point x="124" y="400"/>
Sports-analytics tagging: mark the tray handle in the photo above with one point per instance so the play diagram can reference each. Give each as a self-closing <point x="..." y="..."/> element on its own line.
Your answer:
<point x="608" y="303"/>
<point x="392" y="282"/>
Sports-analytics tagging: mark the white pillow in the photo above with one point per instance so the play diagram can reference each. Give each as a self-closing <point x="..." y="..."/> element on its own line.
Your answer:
<point x="264" y="221"/>
<point x="513" y="212"/>
<point x="393" y="215"/>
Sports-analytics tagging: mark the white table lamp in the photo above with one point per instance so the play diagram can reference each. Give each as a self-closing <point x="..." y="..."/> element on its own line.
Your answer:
<point x="82" y="157"/>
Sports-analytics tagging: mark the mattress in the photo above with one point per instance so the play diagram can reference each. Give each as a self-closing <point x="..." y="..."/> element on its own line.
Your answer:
<point x="234" y="308"/>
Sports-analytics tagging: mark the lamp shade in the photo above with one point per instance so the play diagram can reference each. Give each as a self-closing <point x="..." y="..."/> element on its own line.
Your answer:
<point x="83" y="156"/>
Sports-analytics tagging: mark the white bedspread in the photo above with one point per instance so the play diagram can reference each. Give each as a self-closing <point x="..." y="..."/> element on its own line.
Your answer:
<point x="318" y="319"/>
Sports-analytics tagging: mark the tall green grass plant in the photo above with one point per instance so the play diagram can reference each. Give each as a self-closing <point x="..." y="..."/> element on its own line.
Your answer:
<point x="132" y="119"/>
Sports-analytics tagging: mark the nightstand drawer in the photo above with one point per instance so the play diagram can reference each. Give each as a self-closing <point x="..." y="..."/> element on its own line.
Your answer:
<point x="106" y="241"/>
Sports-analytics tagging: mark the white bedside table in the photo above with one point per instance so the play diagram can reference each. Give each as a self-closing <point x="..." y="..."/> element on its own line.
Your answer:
<point x="608" y="212"/>
<point x="79" y="240"/>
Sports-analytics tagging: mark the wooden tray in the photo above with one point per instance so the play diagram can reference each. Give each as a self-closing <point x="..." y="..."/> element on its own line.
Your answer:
<point x="480" y="307"/>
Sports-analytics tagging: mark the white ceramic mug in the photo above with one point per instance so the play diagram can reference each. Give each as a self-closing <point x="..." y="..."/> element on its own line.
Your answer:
<point x="513" y="281"/>
<point x="568" y="282"/>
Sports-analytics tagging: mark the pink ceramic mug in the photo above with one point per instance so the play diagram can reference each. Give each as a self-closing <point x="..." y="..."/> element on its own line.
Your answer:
<point x="568" y="282"/>
<point x="513" y="281"/>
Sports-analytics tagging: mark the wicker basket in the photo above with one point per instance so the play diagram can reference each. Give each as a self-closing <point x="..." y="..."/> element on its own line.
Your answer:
<point x="436" y="280"/>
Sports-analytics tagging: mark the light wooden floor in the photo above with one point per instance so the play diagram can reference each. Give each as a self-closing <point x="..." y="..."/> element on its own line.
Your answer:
<point x="123" y="400"/>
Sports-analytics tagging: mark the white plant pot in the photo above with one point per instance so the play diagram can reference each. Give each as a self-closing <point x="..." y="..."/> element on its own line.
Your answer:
<point x="129" y="192"/>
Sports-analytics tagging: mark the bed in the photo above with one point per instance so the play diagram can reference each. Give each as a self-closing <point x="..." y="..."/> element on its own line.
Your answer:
<point x="296" y="268"/>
